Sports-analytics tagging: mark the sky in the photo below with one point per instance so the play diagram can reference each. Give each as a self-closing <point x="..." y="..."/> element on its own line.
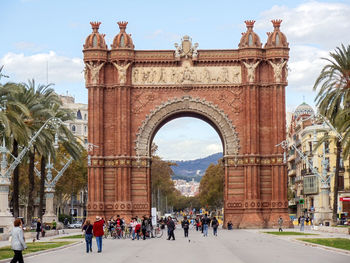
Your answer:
<point x="43" y="40"/>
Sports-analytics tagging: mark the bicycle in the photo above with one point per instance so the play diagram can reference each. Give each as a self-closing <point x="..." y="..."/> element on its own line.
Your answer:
<point x="127" y="233"/>
<point x="157" y="231"/>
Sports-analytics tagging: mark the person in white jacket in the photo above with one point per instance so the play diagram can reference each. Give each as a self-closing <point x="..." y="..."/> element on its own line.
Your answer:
<point x="17" y="243"/>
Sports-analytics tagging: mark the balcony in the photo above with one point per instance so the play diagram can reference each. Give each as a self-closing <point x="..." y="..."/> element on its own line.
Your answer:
<point x="292" y="172"/>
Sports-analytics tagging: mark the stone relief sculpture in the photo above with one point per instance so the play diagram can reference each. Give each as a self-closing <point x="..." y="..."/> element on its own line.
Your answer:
<point x="251" y="70"/>
<point x="122" y="72"/>
<point x="187" y="74"/>
<point x="277" y="69"/>
<point x="95" y="71"/>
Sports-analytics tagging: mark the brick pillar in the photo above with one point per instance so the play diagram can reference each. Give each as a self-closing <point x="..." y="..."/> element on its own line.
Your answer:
<point x="252" y="214"/>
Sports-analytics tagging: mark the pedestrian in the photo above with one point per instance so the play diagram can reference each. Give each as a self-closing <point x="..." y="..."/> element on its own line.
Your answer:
<point x="87" y="228"/>
<point x="97" y="230"/>
<point x="185" y="225"/>
<point x="38" y="229"/>
<point x="137" y="229"/>
<point x="302" y="222"/>
<point x="17" y="241"/>
<point x="215" y="225"/>
<point x="229" y="225"/>
<point x="133" y="224"/>
<point x="280" y="223"/>
<point x="205" y="224"/>
<point x="144" y="226"/>
<point x="171" y="228"/>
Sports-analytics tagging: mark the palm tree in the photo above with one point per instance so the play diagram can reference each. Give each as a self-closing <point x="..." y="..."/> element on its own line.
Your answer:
<point x="12" y="118"/>
<point x="332" y="99"/>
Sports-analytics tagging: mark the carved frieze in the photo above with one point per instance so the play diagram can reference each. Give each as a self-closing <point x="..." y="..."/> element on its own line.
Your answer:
<point x="186" y="74"/>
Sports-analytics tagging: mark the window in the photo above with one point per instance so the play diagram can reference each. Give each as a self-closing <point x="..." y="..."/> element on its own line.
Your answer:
<point x="277" y="39"/>
<point x="310" y="147"/>
<point x="94" y="41"/>
<point x="326" y="145"/>
<point x="122" y="41"/>
<point x="79" y="115"/>
<point x="85" y="129"/>
<point x="250" y="40"/>
<point x="310" y="184"/>
<point x="73" y="128"/>
<point x="85" y="116"/>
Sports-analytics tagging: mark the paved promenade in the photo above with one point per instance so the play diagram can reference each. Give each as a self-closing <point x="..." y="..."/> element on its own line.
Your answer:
<point x="236" y="246"/>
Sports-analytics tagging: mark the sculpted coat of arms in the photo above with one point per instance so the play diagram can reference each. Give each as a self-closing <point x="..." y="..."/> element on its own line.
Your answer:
<point x="186" y="49"/>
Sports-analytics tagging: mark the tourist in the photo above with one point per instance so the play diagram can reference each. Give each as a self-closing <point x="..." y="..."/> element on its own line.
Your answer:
<point x="302" y="222"/>
<point x="38" y="229"/>
<point x="17" y="241"/>
<point x="215" y="225"/>
<point x="185" y="225"/>
<point x="144" y="227"/>
<point x="137" y="229"/>
<point x="205" y="225"/>
<point x="197" y="223"/>
<point x="229" y="225"/>
<point x="280" y="223"/>
<point x="171" y="228"/>
<point x="98" y="232"/>
<point x="133" y="225"/>
<point x="87" y="228"/>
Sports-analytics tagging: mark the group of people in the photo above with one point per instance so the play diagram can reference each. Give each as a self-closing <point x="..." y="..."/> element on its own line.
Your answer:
<point x="202" y="223"/>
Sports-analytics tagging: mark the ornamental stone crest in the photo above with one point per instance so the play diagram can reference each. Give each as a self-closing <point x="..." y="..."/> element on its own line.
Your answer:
<point x="186" y="49"/>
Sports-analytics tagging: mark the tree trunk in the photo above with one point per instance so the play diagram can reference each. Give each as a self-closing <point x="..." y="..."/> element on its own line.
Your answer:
<point x="336" y="182"/>
<point x="42" y="186"/>
<point x="15" y="192"/>
<point x="31" y="180"/>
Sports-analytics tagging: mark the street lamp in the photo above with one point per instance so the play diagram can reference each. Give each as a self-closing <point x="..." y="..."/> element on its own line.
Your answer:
<point x="6" y="218"/>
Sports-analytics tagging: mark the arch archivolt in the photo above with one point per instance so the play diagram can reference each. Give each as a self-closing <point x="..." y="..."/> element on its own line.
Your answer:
<point x="190" y="105"/>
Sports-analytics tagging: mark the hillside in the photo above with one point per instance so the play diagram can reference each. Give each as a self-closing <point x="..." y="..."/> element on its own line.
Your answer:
<point x="194" y="168"/>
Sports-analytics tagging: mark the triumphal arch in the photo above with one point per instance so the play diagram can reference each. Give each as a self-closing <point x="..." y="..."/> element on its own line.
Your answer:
<point x="240" y="92"/>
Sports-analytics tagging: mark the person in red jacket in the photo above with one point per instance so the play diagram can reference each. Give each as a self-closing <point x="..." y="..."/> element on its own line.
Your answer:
<point x="98" y="232"/>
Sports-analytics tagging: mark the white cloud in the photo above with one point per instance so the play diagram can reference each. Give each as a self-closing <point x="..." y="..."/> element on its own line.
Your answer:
<point x="305" y="65"/>
<point x="325" y="24"/>
<point x="28" y="46"/>
<point x="187" y="149"/>
<point x="313" y="29"/>
<point x="61" y="70"/>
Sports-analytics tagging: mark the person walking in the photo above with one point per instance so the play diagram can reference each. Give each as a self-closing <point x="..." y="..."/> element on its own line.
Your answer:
<point x="280" y="224"/>
<point x="133" y="224"/>
<point x="185" y="225"/>
<point x="171" y="228"/>
<point x="302" y="222"/>
<point x="17" y="242"/>
<point x="97" y="230"/>
<point x="205" y="224"/>
<point x="215" y="225"/>
<point x="144" y="226"/>
<point x="38" y="229"/>
<point x="87" y="228"/>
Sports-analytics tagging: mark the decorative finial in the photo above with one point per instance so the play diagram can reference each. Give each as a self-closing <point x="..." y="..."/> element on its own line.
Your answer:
<point x="122" y="25"/>
<point x="95" y="26"/>
<point x="249" y="24"/>
<point x="276" y="23"/>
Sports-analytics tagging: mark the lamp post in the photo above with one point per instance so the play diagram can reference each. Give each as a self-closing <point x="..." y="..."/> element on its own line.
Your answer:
<point x="50" y="184"/>
<point x="6" y="218"/>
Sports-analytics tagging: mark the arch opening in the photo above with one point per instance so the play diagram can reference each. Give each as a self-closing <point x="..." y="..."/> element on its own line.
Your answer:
<point x="190" y="107"/>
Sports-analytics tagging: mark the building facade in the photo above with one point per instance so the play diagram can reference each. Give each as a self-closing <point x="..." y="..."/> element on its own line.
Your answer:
<point x="240" y="92"/>
<point x="305" y="187"/>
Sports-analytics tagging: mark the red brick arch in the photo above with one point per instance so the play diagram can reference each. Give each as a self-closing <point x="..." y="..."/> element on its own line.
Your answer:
<point x="240" y="92"/>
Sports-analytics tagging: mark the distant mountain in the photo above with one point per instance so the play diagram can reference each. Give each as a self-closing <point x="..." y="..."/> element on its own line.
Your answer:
<point x="194" y="168"/>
